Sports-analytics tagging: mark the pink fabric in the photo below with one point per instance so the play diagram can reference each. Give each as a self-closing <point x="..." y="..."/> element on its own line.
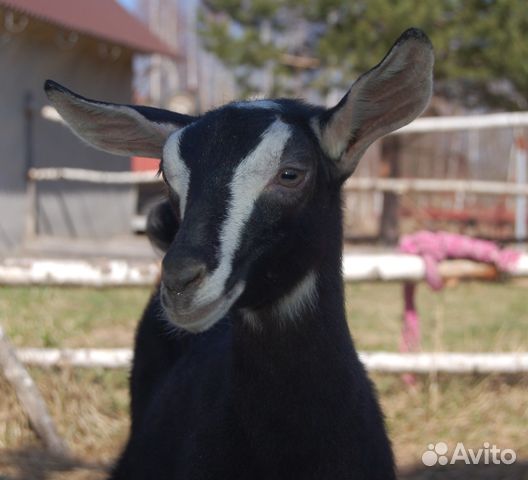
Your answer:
<point x="435" y="247"/>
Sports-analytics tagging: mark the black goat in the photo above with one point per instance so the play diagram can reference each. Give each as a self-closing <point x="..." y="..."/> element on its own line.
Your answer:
<point x="260" y="379"/>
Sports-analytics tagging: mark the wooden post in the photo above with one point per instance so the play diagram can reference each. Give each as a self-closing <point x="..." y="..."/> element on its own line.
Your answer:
<point x="521" y="177"/>
<point x="31" y="186"/>
<point x="32" y="209"/>
<point x="389" y="230"/>
<point x="30" y="398"/>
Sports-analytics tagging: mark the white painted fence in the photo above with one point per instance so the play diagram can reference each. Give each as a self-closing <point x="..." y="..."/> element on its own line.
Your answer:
<point x="356" y="267"/>
<point x="445" y="362"/>
<point x="115" y="273"/>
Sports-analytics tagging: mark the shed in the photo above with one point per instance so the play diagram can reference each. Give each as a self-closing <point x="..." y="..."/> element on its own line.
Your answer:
<point x="89" y="47"/>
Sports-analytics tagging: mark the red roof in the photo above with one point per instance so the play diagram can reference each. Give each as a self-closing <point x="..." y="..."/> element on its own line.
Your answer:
<point x="103" y="19"/>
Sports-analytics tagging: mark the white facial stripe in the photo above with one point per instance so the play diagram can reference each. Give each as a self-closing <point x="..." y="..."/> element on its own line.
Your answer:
<point x="175" y="170"/>
<point x="250" y="177"/>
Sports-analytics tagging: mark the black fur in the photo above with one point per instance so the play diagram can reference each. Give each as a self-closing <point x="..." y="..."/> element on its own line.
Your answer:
<point x="273" y="401"/>
<point x="274" y="390"/>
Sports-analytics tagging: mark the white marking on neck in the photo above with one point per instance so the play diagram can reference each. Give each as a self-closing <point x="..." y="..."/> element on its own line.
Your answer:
<point x="175" y="170"/>
<point x="303" y="296"/>
<point x="290" y="307"/>
<point x="249" y="179"/>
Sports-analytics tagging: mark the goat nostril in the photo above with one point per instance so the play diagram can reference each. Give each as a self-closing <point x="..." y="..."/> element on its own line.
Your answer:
<point x="185" y="277"/>
<point x="194" y="277"/>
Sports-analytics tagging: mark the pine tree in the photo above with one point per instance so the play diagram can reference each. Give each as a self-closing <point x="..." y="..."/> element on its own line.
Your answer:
<point x="319" y="45"/>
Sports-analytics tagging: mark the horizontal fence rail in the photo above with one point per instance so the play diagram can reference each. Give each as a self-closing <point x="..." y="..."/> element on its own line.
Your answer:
<point x="446" y="362"/>
<point x="420" y="125"/>
<point x="425" y="185"/>
<point x="116" y="273"/>
<point x="88" y="273"/>
<point x="396" y="185"/>
<point x="466" y="122"/>
<point x="92" y="176"/>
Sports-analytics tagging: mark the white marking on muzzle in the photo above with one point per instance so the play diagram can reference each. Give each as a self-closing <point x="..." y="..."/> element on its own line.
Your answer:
<point x="249" y="179"/>
<point x="175" y="170"/>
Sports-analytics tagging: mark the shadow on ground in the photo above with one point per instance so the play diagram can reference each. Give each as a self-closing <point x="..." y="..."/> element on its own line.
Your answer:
<point x="37" y="464"/>
<point x="516" y="471"/>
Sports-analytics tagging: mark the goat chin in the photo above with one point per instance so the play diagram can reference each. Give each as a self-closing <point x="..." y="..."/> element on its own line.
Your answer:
<point x="200" y="319"/>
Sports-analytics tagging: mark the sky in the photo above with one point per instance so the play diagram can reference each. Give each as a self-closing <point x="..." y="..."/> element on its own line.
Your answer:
<point x="129" y="4"/>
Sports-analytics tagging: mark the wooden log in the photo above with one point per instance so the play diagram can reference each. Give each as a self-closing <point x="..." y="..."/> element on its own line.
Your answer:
<point x="402" y="186"/>
<point x="445" y="362"/>
<point x="90" y="273"/>
<point x="120" y="273"/>
<point x="465" y="122"/>
<point x="93" y="176"/>
<point x="76" y="357"/>
<point x="30" y="398"/>
<point x="425" y="362"/>
<point x="402" y="267"/>
<point x="396" y="185"/>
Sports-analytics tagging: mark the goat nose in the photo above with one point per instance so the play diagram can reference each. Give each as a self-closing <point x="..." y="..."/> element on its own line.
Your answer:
<point x="183" y="275"/>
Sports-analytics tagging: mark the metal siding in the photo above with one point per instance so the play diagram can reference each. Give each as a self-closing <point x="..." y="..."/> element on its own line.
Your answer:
<point x="73" y="209"/>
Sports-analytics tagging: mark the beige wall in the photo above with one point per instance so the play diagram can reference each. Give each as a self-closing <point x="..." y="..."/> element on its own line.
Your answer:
<point x="72" y="209"/>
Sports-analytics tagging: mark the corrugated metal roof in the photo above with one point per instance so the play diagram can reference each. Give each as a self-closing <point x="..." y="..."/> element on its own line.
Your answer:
<point x="104" y="19"/>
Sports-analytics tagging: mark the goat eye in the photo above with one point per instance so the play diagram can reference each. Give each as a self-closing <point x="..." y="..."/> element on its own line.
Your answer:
<point x="290" y="177"/>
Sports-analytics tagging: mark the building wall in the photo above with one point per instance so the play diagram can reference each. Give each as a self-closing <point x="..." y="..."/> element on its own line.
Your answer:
<point x="64" y="208"/>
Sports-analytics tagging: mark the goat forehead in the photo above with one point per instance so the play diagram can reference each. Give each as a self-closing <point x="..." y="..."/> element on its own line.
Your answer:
<point x="201" y="161"/>
<point x="222" y="139"/>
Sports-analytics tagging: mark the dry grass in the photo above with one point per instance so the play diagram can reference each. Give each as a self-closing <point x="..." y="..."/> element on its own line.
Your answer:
<point x="90" y="406"/>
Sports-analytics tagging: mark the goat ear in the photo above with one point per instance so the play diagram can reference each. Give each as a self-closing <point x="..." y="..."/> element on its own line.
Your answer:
<point x="118" y="129"/>
<point x="384" y="99"/>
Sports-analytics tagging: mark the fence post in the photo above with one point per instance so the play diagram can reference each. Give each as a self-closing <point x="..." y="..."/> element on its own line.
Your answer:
<point x="31" y="186"/>
<point x="521" y="178"/>
<point x="389" y="230"/>
<point x="31" y="198"/>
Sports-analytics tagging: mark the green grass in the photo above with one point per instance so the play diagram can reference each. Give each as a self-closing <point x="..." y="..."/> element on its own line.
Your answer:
<point x="472" y="316"/>
<point x="91" y="406"/>
<point x="71" y="317"/>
